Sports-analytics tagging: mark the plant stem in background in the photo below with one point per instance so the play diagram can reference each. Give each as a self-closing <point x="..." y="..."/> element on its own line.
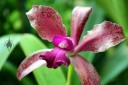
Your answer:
<point x="70" y="73"/>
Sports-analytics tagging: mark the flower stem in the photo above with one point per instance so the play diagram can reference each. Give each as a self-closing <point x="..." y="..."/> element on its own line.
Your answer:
<point x="70" y="72"/>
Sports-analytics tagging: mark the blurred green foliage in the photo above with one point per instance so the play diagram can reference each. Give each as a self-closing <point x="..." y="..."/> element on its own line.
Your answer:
<point x="111" y="65"/>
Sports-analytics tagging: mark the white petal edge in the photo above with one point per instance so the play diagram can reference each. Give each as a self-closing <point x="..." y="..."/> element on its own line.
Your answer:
<point x="29" y="65"/>
<point x="32" y="67"/>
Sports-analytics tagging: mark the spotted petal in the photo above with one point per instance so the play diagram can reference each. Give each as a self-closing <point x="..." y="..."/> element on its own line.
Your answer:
<point x="102" y="37"/>
<point x="30" y="63"/>
<point x="85" y="70"/>
<point x="79" y="18"/>
<point x="46" y="21"/>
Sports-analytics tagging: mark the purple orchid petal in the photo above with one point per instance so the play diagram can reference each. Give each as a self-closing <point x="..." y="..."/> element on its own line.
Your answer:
<point x="46" y="21"/>
<point x="66" y="43"/>
<point x="55" y="58"/>
<point x="102" y="37"/>
<point x="79" y="18"/>
<point x="85" y="70"/>
<point x="30" y="63"/>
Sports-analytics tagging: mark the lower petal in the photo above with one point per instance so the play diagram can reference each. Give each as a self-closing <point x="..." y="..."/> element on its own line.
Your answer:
<point x="85" y="70"/>
<point x="30" y="63"/>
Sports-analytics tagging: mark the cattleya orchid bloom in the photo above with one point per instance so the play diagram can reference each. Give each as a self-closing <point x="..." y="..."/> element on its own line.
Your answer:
<point x="48" y="23"/>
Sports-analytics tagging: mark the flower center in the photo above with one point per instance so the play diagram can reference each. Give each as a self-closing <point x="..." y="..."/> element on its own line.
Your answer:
<point x="65" y="43"/>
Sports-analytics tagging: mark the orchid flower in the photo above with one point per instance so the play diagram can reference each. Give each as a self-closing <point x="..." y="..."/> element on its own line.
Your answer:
<point x="48" y="23"/>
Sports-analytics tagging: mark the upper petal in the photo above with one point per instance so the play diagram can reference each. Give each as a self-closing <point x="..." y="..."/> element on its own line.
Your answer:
<point x="30" y="63"/>
<point x="102" y="37"/>
<point x="79" y="18"/>
<point x="46" y="21"/>
<point x="85" y="70"/>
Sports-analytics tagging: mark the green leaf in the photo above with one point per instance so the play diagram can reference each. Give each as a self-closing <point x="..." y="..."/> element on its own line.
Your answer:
<point x="115" y="64"/>
<point x="121" y="14"/>
<point x="88" y="55"/>
<point x="4" y="51"/>
<point x="117" y="10"/>
<point x="96" y="17"/>
<point x="11" y="68"/>
<point x="43" y="75"/>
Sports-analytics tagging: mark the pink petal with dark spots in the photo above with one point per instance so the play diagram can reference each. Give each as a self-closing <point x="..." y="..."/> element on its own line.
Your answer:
<point x="79" y="18"/>
<point x="46" y="21"/>
<point x="65" y="43"/>
<point x="102" y="37"/>
<point x="55" y="58"/>
<point x="85" y="70"/>
<point x="30" y="63"/>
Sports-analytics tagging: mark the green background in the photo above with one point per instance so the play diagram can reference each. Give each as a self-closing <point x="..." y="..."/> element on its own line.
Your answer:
<point x="112" y="65"/>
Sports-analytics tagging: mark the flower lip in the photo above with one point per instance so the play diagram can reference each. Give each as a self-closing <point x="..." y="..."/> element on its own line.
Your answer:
<point x="55" y="58"/>
<point x="65" y="43"/>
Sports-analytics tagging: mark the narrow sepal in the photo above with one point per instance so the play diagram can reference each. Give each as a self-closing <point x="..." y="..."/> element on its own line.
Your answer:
<point x="85" y="70"/>
<point x="79" y="18"/>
